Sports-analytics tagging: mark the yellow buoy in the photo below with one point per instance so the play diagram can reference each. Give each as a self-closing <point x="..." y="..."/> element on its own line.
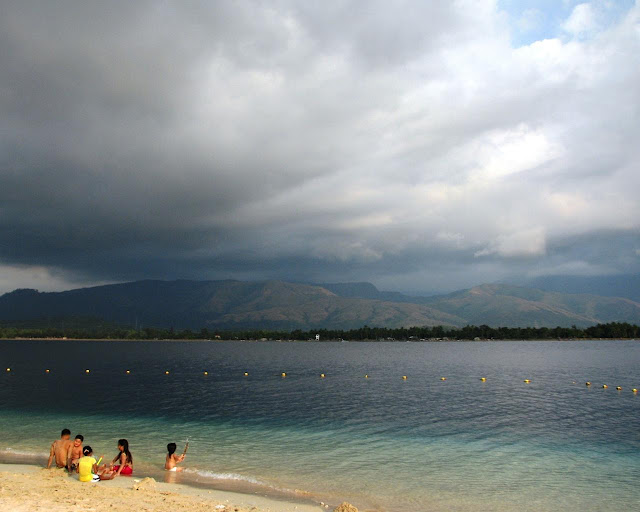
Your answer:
<point x="8" y="369"/>
<point x="167" y="372"/>
<point x="634" y="390"/>
<point x="46" y="371"/>
<point x="322" y="375"/>
<point x="206" y="373"/>
<point x="246" y="374"/>
<point x="527" y="381"/>
<point x="404" y="377"/>
<point x="127" y="372"/>
<point x="443" y="378"/>
<point x="619" y="388"/>
<point x="604" y="386"/>
<point x="366" y="376"/>
<point x="483" y="379"/>
<point x="283" y="374"/>
<point x="587" y="383"/>
<point x="87" y="371"/>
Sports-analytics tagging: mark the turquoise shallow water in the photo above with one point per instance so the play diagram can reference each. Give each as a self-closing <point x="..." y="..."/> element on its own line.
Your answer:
<point x="383" y="443"/>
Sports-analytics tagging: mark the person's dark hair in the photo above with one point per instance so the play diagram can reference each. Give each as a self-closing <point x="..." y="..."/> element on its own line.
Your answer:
<point x="65" y="432"/>
<point x="86" y="450"/>
<point x="80" y="436"/>
<point x="125" y="449"/>
<point x="171" y="448"/>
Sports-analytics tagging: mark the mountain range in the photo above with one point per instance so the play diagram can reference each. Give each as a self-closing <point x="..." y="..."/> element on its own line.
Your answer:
<point x="287" y="306"/>
<point x="624" y="285"/>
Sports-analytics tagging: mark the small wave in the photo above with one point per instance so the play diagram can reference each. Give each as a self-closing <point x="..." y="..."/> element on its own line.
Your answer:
<point x="246" y="484"/>
<point x="226" y="476"/>
<point x="242" y="479"/>
<point x="22" y="453"/>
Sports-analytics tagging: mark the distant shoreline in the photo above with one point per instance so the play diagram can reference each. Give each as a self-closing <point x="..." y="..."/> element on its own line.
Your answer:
<point x="437" y="333"/>
<point x="206" y="340"/>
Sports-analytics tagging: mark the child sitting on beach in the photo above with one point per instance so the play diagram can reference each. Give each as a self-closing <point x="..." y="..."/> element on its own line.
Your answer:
<point x="172" y="459"/>
<point x="74" y="453"/>
<point x="88" y="467"/>
<point x="124" y="459"/>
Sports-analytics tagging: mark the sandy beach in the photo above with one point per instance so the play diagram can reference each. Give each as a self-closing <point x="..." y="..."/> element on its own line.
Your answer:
<point x="25" y="488"/>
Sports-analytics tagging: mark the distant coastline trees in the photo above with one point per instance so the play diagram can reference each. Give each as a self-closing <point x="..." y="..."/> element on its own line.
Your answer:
<point x="613" y="330"/>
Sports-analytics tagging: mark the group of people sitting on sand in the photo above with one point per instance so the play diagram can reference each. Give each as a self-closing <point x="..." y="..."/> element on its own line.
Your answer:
<point x="79" y="459"/>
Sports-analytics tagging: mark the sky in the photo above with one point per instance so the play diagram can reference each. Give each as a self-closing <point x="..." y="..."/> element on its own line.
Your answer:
<point x="421" y="146"/>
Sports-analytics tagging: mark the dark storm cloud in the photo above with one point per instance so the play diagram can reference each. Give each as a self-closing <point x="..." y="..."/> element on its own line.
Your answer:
<point x="405" y="144"/>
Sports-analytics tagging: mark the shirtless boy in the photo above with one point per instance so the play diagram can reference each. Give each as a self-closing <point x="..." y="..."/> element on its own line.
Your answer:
<point x="74" y="453"/>
<point x="59" y="449"/>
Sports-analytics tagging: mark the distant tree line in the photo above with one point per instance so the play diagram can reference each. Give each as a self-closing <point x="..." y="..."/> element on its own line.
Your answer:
<point x="613" y="330"/>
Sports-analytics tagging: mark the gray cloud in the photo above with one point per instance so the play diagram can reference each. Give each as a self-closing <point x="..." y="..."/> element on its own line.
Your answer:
<point x="408" y="144"/>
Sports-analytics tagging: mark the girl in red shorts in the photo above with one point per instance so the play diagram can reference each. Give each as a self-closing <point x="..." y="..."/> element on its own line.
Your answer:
<point x="123" y="462"/>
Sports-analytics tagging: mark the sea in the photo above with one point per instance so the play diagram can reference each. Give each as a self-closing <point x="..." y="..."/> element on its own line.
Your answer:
<point x="392" y="426"/>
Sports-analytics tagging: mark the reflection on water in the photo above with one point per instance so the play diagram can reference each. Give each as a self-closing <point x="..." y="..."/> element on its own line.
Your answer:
<point x="382" y="442"/>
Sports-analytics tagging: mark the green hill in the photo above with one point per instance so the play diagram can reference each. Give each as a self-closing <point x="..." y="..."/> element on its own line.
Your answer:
<point x="287" y="306"/>
<point x="216" y="304"/>
<point x="512" y="306"/>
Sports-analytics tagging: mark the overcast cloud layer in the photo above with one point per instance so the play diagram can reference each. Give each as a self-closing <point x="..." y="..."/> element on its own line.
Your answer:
<point x="421" y="147"/>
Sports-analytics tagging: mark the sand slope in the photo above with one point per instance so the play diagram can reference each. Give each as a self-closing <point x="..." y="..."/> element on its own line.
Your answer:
<point x="29" y="488"/>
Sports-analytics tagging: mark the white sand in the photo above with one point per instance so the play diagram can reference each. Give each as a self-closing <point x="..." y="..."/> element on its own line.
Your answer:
<point x="30" y="488"/>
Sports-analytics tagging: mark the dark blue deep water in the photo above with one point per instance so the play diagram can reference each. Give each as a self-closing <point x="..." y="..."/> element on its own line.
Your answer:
<point x="382" y="442"/>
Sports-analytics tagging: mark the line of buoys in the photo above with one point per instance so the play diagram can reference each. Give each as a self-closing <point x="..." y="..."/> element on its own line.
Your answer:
<point x="366" y="376"/>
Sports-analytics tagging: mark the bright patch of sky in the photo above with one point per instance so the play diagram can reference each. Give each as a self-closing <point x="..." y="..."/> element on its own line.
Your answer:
<point x="536" y="20"/>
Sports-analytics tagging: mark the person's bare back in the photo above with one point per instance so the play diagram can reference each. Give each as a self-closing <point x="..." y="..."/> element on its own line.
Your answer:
<point x="59" y="450"/>
<point x="171" y="460"/>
